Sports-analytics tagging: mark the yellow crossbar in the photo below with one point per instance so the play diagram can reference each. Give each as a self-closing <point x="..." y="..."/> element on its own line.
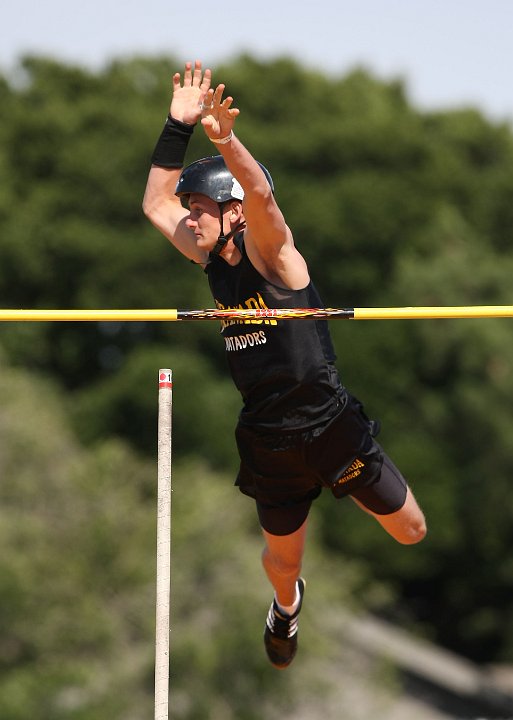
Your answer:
<point x="87" y="315"/>
<point x="427" y="313"/>
<point x="172" y="315"/>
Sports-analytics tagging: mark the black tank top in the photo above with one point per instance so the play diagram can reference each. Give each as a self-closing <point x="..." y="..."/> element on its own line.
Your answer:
<point x="283" y="368"/>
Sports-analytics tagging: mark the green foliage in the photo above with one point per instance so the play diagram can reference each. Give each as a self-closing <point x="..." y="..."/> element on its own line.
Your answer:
<point x="77" y="576"/>
<point x="75" y="581"/>
<point x="124" y="403"/>
<point x="391" y="206"/>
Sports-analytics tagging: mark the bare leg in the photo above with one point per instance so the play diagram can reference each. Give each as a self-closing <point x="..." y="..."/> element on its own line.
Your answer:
<point x="282" y="558"/>
<point x="407" y="525"/>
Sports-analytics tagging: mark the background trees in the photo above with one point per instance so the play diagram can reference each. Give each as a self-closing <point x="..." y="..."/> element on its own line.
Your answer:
<point x="391" y="206"/>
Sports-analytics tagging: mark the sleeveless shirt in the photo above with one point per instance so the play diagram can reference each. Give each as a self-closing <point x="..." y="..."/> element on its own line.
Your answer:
<point x="283" y="368"/>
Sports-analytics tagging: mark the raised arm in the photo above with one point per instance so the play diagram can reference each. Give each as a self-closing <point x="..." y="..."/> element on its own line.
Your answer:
<point x="160" y="203"/>
<point x="268" y="240"/>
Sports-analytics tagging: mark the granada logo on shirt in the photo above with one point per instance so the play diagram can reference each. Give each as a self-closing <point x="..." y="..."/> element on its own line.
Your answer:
<point x="251" y="303"/>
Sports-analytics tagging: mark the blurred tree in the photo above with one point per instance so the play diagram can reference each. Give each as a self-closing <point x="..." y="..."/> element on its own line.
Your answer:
<point x="77" y="578"/>
<point x="391" y="206"/>
<point x="76" y="585"/>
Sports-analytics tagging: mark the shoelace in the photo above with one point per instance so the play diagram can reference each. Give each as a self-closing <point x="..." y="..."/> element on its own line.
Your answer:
<point x="282" y="626"/>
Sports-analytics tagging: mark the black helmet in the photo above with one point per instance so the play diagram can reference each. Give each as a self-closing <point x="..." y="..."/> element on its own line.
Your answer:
<point x="210" y="176"/>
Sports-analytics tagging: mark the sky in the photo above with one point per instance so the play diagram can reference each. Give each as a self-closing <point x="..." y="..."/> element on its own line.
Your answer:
<point x="450" y="53"/>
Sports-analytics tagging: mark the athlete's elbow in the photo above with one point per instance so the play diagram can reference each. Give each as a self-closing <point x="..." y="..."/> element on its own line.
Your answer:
<point x="148" y="207"/>
<point x="153" y="212"/>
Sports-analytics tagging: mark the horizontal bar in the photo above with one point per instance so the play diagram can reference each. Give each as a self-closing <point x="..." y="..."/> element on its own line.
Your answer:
<point x="432" y="313"/>
<point x="258" y="315"/>
<point x="87" y="315"/>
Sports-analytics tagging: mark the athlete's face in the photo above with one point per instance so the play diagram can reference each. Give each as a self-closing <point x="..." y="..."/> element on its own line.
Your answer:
<point x="203" y="220"/>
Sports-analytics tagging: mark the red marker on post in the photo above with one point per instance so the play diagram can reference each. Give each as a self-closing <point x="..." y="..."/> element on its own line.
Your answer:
<point x="165" y="379"/>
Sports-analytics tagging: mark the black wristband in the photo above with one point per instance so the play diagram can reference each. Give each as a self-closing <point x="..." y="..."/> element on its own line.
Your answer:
<point x="172" y="144"/>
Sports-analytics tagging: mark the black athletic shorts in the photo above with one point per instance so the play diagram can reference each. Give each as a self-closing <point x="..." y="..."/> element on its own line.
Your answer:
<point x="285" y="472"/>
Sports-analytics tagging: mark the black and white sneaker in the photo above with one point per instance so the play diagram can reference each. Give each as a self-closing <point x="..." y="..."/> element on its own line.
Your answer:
<point x="280" y="636"/>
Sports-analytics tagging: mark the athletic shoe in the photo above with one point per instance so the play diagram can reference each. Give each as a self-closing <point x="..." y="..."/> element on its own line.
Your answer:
<point x="280" y="636"/>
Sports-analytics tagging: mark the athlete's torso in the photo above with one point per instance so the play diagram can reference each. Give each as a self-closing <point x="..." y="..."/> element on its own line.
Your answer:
<point x="283" y="368"/>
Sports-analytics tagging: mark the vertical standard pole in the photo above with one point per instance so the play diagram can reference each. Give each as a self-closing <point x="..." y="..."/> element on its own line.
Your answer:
<point x="163" y="546"/>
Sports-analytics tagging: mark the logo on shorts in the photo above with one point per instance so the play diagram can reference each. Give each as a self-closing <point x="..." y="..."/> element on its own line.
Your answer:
<point x="352" y="472"/>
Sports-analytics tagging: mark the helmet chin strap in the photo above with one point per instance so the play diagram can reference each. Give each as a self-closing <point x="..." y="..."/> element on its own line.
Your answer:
<point x="223" y="239"/>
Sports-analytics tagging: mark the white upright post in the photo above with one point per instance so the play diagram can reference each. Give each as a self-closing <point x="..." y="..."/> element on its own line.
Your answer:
<point x="163" y="590"/>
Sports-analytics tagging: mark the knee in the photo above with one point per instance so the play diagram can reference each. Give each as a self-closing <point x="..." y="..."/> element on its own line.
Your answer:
<point x="414" y="532"/>
<point x="279" y="565"/>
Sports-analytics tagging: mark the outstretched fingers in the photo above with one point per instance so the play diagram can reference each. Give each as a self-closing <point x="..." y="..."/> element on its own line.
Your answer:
<point x="213" y="102"/>
<point x="217" y="113"/>
<point x="187" y="75"/>
<point x="201" y="79"/>
<point x="189" y="91"/>
<point x="177" y="81"/>
<point x="193" y="78"/>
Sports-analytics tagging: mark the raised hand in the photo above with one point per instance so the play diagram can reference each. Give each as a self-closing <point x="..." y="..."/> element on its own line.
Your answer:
<point x="218" y="116"/>
<point x="188" y="98"/>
